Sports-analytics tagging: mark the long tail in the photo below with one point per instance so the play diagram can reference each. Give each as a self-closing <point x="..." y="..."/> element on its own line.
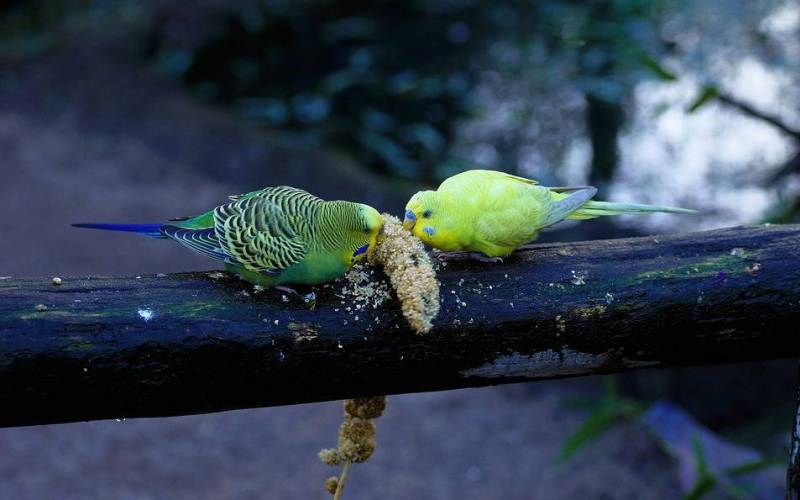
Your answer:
<point x="592" y="209"/>
<point x="149" y="230"/>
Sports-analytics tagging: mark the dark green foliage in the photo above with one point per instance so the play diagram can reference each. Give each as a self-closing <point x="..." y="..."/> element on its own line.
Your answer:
<point x="604" y="413"/>
<point x="25" y="30"/>
<point x="705" y="479"/>
<point x="657" y="69"/>
<point x="707" y="94"/>
<point x="708" y="480"/>
<point x="383" y="80"/>
<point x="612" y="409"/>
<point x="389" y="82"/>
<point x="755" y="466"/>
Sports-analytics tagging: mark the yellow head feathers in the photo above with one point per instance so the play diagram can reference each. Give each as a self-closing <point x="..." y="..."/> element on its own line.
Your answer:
<point x="430" y="219"/>
<point x="371" y="224"/>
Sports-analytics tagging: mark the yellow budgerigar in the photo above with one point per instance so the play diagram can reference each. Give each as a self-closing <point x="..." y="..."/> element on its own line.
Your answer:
<point x="492" y="213"/>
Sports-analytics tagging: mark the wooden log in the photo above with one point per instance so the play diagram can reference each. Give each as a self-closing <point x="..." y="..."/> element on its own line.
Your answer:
<point x="203" y="342"/>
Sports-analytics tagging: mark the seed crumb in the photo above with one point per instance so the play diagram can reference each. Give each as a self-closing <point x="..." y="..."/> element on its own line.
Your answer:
<point x="754" y="268"/>
<point x="738" y="252"/>
<point x="578" y="278"/>
<point x="362" y="290"/>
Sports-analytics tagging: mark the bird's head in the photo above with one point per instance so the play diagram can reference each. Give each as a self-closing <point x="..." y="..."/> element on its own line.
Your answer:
<point x="368" y="231"/>
<point x="423" y="216"/>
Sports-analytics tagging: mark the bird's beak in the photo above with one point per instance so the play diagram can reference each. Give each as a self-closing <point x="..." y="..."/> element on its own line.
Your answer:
<point x="409" y="220"/>
<point x="379" y="238"/>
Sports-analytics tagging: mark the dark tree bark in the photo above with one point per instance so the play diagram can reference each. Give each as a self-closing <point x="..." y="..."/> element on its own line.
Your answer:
<point x="193" y="343"/>
<point x="793" y="472"/>
<point x="604" y="121"/>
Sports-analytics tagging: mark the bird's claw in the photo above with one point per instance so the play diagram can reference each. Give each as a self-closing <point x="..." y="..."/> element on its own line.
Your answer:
<point x="286" y="289"/>
<point x="309" y="298"/>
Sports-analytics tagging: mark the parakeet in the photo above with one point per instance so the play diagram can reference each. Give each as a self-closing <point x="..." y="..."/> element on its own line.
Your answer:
<point x="493" y="213"/>
<point x="274" y="236"/>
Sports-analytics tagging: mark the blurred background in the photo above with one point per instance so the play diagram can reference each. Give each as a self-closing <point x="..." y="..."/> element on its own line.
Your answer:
<point x="124" y="110"/>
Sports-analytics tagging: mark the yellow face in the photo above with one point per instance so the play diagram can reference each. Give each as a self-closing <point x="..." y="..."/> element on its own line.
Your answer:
<point x="424" y="219"/>
<point x="368" y="232"/>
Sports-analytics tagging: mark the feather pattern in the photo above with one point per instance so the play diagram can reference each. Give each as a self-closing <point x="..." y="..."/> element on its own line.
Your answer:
<point x="203" y="241"/>
<point x="275" y="235"/>
<point x="268" y="230"/>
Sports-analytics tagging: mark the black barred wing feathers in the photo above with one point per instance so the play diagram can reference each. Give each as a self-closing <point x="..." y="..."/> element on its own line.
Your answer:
<point x="267" y="231"/>
<point x="202" y="241"/>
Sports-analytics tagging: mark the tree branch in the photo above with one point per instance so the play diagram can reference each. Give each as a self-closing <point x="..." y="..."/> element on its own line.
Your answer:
<point x="191" y="343"/>
<point x="752" y="112"/>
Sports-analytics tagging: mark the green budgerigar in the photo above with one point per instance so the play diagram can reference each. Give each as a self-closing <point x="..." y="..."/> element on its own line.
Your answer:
<point x="275" y="236"/>
<point x="491" y="213"/>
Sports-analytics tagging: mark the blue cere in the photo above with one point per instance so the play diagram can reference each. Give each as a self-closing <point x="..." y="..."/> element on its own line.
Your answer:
<point x="360" y="250"/>
<point x="410" y="215"/>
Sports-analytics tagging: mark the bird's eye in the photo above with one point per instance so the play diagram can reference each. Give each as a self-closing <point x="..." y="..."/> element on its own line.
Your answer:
<point x="366" y="231"/>
<point x="426" y="214"/>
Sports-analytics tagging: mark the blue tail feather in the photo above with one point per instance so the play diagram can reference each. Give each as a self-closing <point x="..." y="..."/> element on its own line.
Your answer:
<point x="149" y="230"/>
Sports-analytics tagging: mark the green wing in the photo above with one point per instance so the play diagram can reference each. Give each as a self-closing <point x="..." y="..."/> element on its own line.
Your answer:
<point x="203" y="241"/>
<point x="260" y="235"/>
<point x="264" y="231"/>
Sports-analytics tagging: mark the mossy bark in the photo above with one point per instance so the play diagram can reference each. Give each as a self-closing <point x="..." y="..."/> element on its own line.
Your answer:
<point x="203" y="342"/>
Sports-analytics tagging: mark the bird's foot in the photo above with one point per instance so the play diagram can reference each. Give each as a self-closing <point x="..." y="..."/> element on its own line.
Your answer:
<point x="468" y="256"/>
<point x="287" y="289"/>
<point x="309" y="298"/>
